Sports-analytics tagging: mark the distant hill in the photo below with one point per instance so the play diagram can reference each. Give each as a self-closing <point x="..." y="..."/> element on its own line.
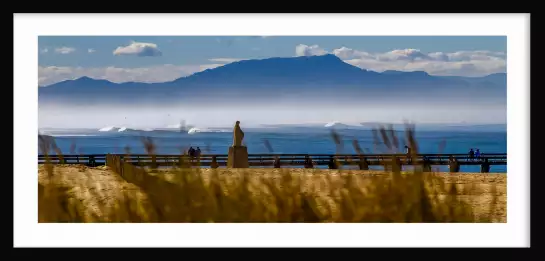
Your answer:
<point x="314" y="78"/>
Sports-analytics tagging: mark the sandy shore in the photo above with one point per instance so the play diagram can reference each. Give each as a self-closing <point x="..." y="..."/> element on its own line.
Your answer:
<point x="99" y="187"/>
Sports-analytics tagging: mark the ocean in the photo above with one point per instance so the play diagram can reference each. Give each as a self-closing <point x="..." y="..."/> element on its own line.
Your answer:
<point x="311" y="140"/>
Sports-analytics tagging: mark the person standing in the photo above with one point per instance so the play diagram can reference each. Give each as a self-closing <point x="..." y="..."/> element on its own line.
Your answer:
<point x="198" y="152"/>
<point x="471" y="154"/>
<point x="408" y="153"/>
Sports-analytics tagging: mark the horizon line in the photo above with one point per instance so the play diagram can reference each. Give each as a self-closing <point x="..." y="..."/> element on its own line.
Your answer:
<point x="450" y="124"/>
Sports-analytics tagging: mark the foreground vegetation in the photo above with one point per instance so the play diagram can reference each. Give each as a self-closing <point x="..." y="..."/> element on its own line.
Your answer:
<point x="121" y="192"/>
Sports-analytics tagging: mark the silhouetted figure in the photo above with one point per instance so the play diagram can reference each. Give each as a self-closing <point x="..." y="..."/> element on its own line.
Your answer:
<point x="478" y="155"/>
<point x="198" y="152"/>
<point x="191" y="152"/>
<point x="471" y="154"/>
<point x="408" y="153"/>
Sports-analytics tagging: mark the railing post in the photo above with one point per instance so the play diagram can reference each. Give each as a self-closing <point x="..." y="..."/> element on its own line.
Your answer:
<point x="332" y="163"/>
<point x="426" y="165"/>
<point x="120" y="165"/>
<point x="363" y="164"/>
<point x="454" y="165"/>
<point x="153" y="161"/>
<point x="214" y="164"/>
<point x="276" y="163"/>
<point x="485" y="166"/>
<point x="397" y="165"/>
<point x="308" y="162"/>
<point x="108" y="159"/>
<point x="92" y="162"/>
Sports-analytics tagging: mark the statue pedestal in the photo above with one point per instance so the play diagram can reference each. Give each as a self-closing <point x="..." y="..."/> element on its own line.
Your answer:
<point x="238" y="157"/>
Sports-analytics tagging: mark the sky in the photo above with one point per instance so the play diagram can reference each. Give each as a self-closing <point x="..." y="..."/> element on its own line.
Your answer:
<point x="165" y="58"/>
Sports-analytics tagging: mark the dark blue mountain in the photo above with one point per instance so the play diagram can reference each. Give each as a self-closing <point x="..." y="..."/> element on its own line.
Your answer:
<point x="491" y="79"/>
<point x="326" y="69"/>
<point x="313" y="77"/>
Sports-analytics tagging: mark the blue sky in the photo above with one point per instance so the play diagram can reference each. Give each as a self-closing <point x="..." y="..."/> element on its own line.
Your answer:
<point x="165" y="58"/>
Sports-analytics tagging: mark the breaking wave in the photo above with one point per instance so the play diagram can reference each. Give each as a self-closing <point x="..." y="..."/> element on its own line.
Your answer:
<point x="197" y="130"/>
<point x="121" y="129"/>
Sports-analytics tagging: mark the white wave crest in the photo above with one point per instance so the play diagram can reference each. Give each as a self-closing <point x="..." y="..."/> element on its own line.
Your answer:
<point x="109" y="128"/>
<point x="339" y="125"/>
<point x="195" y="130"/>
<point x="332" y="124"/>
<point x="121" y="129"/>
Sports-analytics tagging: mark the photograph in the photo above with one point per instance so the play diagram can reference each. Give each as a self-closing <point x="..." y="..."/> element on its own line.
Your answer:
<point x="271" y="128"/>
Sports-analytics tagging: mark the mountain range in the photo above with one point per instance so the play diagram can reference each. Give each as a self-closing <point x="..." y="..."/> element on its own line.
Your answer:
<point x="313" y="78"/>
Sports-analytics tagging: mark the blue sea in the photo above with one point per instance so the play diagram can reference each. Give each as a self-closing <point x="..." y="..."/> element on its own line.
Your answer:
<point x="274" y="140"/>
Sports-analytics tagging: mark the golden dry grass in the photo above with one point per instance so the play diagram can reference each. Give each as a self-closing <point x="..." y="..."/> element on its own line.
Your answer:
<point x="269" y="195"/>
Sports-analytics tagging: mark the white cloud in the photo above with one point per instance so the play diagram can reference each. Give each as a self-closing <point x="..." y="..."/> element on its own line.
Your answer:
<point x="162" y="73"/>
<point x="91" y="50"/>
<point x="346" y="53"/>
<point x="225" y="60"/>
<point x="138" y="49"/>
<point x="305" y="50"/>
<point x="461" y="63"/>
<point x="65" y="50"/>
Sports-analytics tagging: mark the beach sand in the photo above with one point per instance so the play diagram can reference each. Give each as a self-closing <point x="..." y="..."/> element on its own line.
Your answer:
<point x="100" y="190"/>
